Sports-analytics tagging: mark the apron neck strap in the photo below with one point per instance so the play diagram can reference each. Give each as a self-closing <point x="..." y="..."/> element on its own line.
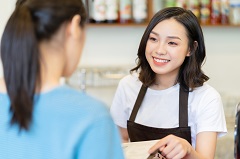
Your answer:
<point x="183" y="107"/>
<point x="138" y="102"/>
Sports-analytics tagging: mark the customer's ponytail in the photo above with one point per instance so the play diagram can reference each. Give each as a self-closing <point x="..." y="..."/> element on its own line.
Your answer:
<point x="20" y="57"/>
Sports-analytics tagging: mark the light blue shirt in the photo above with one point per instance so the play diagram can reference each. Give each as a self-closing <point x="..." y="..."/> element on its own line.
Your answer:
<point x="67" y="124"/>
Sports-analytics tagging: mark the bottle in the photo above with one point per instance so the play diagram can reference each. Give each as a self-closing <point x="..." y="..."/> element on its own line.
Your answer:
<point x="194" y="6"/>
<point x="170" y="3"/>
<point x="234" y="12"/>
<point x="90" y="11"/>
<point x="181" y="3"/>
<point x="215" y="12"/>
<point x="225" y="11"/>
<point x="157" y="6"/>
<point x="125" y="11"/>
<point x="139" y="11"/>
<point x="99" y="11"/>
<point x="111" y="11"/>
<point x="205" y="11"/>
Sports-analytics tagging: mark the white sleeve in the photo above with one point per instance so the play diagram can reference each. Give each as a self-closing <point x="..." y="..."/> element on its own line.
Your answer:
<point x="210" y="116"/>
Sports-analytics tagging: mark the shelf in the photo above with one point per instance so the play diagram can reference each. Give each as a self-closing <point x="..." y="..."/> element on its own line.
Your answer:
<point x="221" y="26"/>
<point x="117" y="25"/>
<point x="93" y="25"/>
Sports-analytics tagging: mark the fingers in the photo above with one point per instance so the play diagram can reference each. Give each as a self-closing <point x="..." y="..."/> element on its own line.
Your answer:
<point x="170" y="147"/>
<point x="158" y="146"/>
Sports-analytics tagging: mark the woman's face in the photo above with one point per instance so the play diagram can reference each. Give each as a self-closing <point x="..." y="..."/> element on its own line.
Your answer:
<point x="167" y="47"/>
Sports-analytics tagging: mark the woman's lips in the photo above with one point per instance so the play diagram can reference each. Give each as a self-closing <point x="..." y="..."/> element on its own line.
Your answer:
<point x="160" y="62"/>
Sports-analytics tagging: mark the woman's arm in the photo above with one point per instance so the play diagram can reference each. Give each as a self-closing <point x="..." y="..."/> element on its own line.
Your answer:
<point x="124" y="134"/>
<point x="175" y="147"/>
<point x="205" y="146"/>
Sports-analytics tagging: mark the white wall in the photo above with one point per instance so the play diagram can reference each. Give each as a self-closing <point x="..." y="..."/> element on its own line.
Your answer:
<point x="117" y="46"/>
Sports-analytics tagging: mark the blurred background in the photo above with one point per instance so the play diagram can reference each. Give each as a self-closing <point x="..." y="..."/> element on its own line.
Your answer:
<point x="114" y="32"/>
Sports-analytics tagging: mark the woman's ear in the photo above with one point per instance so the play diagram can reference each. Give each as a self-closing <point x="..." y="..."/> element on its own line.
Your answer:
<point x="195" y="46"/>
<point x="73" y="28"/>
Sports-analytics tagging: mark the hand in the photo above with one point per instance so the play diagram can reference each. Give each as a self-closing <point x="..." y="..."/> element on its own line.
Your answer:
<point x="172" y="147"/>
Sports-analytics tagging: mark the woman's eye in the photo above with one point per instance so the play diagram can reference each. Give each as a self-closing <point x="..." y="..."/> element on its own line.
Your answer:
<point x="172" y="43"/>
<point x="153" y="39"/>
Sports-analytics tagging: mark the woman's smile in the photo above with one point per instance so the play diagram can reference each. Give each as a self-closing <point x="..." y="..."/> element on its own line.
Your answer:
<point x="160" y="61"/>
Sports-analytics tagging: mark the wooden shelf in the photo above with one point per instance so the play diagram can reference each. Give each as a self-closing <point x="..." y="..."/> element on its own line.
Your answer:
<point x="117" y="25"/>
<point x="221" y="25"/>
<point x="93" y="25"/>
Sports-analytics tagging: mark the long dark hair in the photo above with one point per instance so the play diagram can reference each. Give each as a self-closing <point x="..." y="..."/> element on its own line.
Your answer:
<point x="30" y="22"/>
<point x="190" y="73"/>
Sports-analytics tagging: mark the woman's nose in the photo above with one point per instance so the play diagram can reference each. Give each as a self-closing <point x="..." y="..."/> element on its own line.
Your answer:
<point x="160" y="49"/>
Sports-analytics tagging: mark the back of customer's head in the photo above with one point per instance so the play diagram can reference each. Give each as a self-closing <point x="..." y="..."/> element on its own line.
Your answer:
<point x="31" y="22"/>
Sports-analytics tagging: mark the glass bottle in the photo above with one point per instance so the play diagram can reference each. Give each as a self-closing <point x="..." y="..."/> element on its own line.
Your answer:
<point x="225" y="11"/>
<point x="112" y="11"/>
<point x="125" y="11"/>
<point x="99" y="11"/>
<point x="140" y="11"/>
<point x="215" y="12"/>
<point x="181" y="3"/>
<point x="157" y="5"/>
<point x="205" y="11"/>
<point x="194" y="6"/>
<point x="90" y="11"/>
<point x="170" y="3"/>
<point x="234" y="12"/>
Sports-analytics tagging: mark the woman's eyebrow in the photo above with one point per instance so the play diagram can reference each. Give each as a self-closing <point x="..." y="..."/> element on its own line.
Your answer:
<point x="170" y="37"/>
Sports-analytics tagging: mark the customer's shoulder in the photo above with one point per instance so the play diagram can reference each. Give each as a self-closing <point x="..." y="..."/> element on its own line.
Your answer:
<point x="77" y="100"/>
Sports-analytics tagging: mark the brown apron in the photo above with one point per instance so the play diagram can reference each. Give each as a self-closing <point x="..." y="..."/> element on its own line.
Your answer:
<point x="138" y="132"/>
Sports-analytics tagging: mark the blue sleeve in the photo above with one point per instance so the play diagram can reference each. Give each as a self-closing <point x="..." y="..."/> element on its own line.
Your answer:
<point x="101" y="141"/>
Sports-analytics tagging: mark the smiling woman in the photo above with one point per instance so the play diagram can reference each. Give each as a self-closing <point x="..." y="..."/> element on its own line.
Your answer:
<point x="40" y="118"/>
<point x="165" y="97"/>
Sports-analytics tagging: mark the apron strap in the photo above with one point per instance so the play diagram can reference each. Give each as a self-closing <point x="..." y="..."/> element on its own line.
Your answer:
<point x="138" y="102"/>
<point x="183" y="107"/>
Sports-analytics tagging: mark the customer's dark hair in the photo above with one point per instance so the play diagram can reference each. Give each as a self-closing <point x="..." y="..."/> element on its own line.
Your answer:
<point x="31" y="22"/>
<point x="190" y="74"/>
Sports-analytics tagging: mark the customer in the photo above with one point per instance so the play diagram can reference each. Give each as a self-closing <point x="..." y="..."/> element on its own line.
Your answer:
<point x="166" y="96"/>
<point x="39" y="118"/>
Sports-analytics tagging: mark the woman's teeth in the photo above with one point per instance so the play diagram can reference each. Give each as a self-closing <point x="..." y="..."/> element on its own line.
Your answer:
<point x="160" y="60"/>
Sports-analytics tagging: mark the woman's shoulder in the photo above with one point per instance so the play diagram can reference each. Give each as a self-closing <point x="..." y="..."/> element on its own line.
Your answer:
<point x="206" y="90"/>
<point x="131" y="79"/>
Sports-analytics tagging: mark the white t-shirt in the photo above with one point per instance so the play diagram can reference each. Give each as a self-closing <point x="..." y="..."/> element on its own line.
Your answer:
<point x="160" y="108"/>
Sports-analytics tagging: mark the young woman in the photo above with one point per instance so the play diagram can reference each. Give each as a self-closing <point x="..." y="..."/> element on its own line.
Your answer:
<point x="39" y="118"/>
<point x="166" y="96"/>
